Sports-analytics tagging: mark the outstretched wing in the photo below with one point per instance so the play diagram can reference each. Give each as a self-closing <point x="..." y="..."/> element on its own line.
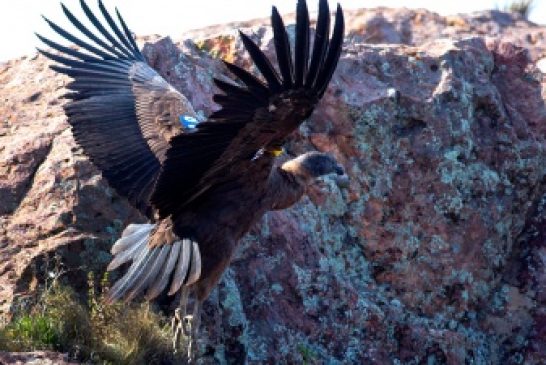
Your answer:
<point x="121" y="111"/>
<point x="254" y="115"/>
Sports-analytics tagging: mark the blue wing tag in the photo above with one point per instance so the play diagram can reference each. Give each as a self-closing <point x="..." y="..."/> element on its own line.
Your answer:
<point x="188" y="122"/>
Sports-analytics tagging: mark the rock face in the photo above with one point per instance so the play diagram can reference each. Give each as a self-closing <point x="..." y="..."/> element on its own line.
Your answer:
<point x="34" y="358"/>
<point x="434" y="253"/>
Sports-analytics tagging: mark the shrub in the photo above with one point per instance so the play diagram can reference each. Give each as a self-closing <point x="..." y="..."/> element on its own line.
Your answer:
<point x="522" y="7"/>
<point x="93" y="332"/>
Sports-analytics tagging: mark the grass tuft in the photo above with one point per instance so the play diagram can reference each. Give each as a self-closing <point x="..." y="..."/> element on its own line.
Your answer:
<point x="92" y="332"/>
<point x="522" y="7"/>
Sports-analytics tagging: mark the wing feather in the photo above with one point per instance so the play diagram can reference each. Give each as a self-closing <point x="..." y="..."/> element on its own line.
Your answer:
<point x="66" y="50"/>
<point x="282" y="48"/>
<point x="88" y="33"/>
<point x="262" y="63"/>
<point x="103" y="30"/>
<point x="320" y="44"/>
<point x="63" y="33"/>
<point x="136" y="53"/>
<point x="252" y="114"/>
<point x="121" y="111"/>
<point x="128" y="34"/>
<point x="252" y="83"/>
<point x="334" y="52"/>
<point x="125" y="115"/>
<point x="302" y="42"/>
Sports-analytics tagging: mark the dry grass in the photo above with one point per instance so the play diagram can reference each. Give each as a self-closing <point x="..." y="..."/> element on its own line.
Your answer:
<point x="523" y="7"/>
<point x="92" y="332"/>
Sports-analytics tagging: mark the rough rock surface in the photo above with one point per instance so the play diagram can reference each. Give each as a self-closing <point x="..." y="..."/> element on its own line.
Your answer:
<point x="415" y="27"/>
<point x="34" y="358"/>
<point x="434" y="253"/>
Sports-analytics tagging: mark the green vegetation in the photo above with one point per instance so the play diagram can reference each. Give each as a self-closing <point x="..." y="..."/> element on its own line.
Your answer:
<point x="30" y="331"/>
<point x="93" y="332"/>
<point x="522" y="7"/>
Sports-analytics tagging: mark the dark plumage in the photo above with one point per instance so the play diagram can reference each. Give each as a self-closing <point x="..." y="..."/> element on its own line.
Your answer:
<point x="202" y="190"/>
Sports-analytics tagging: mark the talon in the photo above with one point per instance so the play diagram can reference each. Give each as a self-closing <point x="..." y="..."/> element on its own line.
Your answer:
<point x="187" y="325"/>
<point x="177" y="329"/>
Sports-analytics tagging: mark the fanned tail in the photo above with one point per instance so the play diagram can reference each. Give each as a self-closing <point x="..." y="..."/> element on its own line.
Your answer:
<point x="158" y="258"/>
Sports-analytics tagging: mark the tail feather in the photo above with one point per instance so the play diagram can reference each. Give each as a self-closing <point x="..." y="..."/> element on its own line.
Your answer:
<point x="129" y="254"/>
<point x="130" y="235"/>
<point x="153" y="266"/>
<point x="195" y="267"/>
<point x="135" y="278"/>
<point x="182" y="267"/>
<point x="120" y="288"/>
<point x="149" y="271"/>
<point x="166" y="272"/>
<point x="133" y="228"/>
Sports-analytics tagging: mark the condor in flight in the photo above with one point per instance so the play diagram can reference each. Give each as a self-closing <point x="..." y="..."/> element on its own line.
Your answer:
<point x="202" y="186"/>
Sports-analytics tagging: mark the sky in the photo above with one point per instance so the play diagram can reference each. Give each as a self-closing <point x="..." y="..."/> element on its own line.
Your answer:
<point x="19" y="19"/>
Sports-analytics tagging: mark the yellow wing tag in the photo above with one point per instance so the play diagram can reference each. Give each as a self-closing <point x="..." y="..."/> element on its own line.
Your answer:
<point x="276" y="151"/>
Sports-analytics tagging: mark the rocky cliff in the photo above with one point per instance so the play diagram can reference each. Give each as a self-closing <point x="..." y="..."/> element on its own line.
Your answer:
<point x="434" y="253"/>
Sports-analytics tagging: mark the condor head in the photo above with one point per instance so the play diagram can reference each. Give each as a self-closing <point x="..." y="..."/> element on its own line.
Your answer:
<point x="312" y="165"/>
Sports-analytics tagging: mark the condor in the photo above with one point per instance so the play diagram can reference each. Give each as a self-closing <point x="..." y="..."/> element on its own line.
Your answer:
<point x="202" y="185"/>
